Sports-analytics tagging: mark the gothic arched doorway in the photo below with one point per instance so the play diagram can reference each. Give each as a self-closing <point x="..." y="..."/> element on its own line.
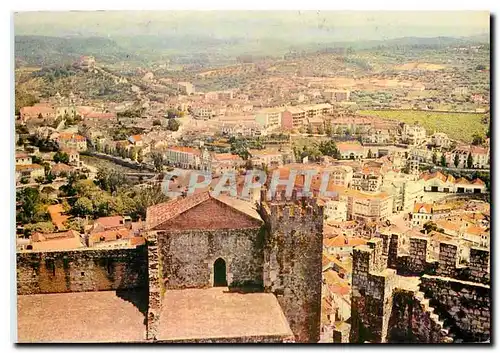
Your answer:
<point x="220" y="273"/>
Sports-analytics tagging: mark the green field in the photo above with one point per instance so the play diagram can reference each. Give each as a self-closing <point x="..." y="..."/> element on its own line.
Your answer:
<point x="458" y="126"/>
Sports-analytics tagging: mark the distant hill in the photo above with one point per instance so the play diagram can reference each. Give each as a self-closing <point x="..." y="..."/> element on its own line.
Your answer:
<point x="46" y="51"/>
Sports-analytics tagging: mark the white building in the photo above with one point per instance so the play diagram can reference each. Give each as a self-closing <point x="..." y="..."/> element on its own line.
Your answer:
<point x="413" y="134"/>
<point x="335" y="211"/>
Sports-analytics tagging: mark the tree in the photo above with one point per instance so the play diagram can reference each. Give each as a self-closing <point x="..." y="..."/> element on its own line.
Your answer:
<point x="328" y="129"/>
<point x="434" y="158"/>
<point x="470" y="161"/>
<point x="110" y="180"/>
<point x="456" y="161"/>
<point x="140" y="157"/>
<point x="443" y="160"/>
<point x="370" y="154"/>
<point x="36" y="160"/>
<point x="431" y="227"/>
<point x="157" y="161"/>
<point x="328" y="148"/>
<point x="173" y="125"/>
<point x="477" y="140"/>
<point x="61" y="157"/>
<point x="83" y="207"/>
<point x="309" y="129"/>
<point x="31" y="206"/>
<point x="321" y="131"/>
<point x="156" y="122"/>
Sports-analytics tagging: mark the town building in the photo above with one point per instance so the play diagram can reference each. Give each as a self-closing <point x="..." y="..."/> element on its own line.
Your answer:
<point x="335" y="211"/>
<point x="293" y="118"/>
<point x="350" y="150"/>
<point x="187" y="158"/>
<point x="440" y="139"/>
<point x="186" y="88"/>
<point x="67" y="140"/>
<point x="30" y="171"/>
<point x="337" y="95"/>
<point x="413" y="134"/>
<point x="22" y="158"/>
<point x="422" y="213"/>
<point x="269" y="118"/>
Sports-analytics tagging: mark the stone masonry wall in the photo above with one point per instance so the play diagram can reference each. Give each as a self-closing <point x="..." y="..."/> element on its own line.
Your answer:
<point x="371" y="298"/>
<point x="466" y="305"/>
<point x="187" y="257"/>
<point x="457" y="295"/>
<point x="292" y="262"/>
<point x="412" y="322"/>
<point x="81" y="270"/>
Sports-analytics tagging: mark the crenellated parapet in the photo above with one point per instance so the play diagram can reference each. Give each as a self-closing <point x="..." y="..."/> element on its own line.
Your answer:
<point x="418" y="257"/>
<point x="397" y="283"/>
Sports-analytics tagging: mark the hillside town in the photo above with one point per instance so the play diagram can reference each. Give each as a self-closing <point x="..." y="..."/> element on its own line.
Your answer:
<point x="406" y="223"/>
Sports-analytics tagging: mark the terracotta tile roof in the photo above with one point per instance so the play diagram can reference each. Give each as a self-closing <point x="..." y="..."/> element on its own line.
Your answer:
<point x="478" y="181"/>
<point x="35" y="110"/>
<point x="136" y="241"/>
<point x="70" y="136"/>
<point x="349" y="146"/>
<point x="226" y="157"/>
<point x="475" y="230"/>
<point x="27" y="167"/>
<point x="478" y="150"/>
<point x="158" y="214"/>
<point x="109" y="222"/>
<point x="462" y="180"/>
<point x="343" y="241"/>
<point x="447" y="225"/>
<point x="61" y="167"/>
<point x="185" y="149"/>
<point x="422" y="208"/>
<point x="79" y="317"/>
<point x="22" y="155"/>
<point x="57" y="241"/>
<point x="135" y="138"/>
<point x="110" y="235"/>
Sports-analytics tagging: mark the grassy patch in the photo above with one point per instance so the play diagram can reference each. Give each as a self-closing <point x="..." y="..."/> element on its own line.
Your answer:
<point x="459" y="126"/>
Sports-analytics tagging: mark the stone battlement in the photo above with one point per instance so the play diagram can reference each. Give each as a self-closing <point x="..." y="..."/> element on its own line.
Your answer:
<point x="389" y="281"/>
<point x="416" y="257"/>
<point x="302" y="210"/>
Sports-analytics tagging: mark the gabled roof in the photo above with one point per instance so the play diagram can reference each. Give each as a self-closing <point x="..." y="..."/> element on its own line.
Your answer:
<point x="422" y="208"/>
<point x="161" y="213"/>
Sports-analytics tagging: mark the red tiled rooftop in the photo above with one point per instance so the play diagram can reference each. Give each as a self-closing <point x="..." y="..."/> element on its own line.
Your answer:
<point x="424" y="207"/>
<point x="185" y="149"/>
<point x="110" y="222"/>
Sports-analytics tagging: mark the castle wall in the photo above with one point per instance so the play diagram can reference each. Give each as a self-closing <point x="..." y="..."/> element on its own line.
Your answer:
<point x="81" y="270"/>
<point x="411" y="321"/>
<point x="457" y="292"/>
<point x="292" y="262"/>
<point x="465" y="304"/>
<point x="187" y="257"/>
<point x="371" y="299"/>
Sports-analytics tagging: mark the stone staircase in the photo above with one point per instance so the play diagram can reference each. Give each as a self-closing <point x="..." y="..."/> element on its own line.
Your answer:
<point x="445" y="331"/>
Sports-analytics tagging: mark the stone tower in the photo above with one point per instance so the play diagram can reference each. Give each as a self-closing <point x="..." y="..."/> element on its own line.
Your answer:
<point x="292" y="260"/>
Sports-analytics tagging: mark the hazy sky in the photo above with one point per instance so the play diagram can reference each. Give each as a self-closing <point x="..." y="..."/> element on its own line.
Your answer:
<point x="335" y="24"/>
